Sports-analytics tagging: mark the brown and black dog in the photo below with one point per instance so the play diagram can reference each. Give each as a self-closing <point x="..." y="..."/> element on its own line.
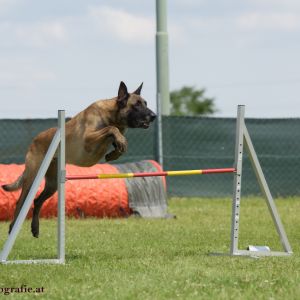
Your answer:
<point x="88" y="138"/>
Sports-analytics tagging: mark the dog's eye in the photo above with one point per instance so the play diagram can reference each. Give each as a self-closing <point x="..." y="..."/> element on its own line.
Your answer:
<point x="145" y="103"/>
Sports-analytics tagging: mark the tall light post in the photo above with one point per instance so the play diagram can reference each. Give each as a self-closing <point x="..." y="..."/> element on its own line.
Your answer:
<point x="162" y="58"/>
<point x="162" y="71"/>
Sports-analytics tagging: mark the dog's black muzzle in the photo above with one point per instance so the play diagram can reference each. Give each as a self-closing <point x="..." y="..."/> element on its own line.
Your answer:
<point x="141" y="118"/>
<point x="152" y="116"/>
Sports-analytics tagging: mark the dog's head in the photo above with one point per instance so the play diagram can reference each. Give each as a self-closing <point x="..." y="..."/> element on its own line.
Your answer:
<point x="133" y="110"/>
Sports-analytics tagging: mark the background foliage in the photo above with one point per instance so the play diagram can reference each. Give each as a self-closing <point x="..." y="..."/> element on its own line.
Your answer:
<point x="189" y="101"/>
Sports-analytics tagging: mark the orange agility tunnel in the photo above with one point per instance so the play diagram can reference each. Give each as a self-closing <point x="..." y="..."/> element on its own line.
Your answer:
<point x="115" y="197"/>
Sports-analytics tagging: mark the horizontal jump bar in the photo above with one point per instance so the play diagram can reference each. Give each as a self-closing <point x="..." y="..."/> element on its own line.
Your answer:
<point x="151" y="174"/>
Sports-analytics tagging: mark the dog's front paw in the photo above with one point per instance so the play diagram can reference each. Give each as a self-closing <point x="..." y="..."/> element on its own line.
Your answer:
<point x="113" y="155"/>
<point x="121" y="144"/>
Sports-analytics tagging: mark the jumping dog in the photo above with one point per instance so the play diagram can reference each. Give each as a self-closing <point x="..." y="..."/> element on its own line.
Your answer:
<point x="88" y="137"/>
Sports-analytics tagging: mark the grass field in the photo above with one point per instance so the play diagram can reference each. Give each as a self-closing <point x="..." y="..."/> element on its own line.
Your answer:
<point x="161" y="259"/>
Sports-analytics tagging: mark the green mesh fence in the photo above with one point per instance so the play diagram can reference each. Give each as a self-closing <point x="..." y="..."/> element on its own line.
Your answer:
<point x="194" y="143"/>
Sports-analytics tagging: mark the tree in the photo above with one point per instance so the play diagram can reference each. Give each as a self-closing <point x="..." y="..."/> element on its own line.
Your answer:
<point x="189" y="101"/>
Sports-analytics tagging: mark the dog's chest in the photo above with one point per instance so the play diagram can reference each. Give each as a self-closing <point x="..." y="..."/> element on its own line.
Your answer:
<point x="79" y="155"/>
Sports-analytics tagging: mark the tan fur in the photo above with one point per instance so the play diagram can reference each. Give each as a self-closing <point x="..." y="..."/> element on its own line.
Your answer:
<point x="88" y="137"/>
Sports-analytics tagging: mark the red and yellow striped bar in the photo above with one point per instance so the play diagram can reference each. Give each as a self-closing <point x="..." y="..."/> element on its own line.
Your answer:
<point x="151" y="174"/>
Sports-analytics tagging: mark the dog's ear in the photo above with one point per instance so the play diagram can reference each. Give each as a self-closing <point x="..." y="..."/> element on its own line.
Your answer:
<point x="138" y="90"/>
<point x="122" y="95"/>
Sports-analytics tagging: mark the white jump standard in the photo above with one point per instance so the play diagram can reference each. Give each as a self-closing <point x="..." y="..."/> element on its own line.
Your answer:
<point x="58" y="146"/>
<point x="242" y="136"/>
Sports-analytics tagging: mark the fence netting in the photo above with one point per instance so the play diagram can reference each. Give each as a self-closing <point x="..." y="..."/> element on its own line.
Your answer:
<point x="193" y="143"/>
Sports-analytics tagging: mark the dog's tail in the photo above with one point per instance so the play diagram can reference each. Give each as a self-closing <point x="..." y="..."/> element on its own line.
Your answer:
<point x="15" y="185"/>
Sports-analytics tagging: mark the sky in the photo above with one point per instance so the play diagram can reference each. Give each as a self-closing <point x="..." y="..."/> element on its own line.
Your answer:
<point x="67" y="54"/>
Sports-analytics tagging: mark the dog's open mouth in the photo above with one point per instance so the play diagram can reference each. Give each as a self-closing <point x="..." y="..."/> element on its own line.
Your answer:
<point x="145" y="125"/>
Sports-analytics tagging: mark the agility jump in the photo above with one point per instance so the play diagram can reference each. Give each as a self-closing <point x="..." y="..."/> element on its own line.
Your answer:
<point x="58" y="145"/>
<point x="151" y="174"/>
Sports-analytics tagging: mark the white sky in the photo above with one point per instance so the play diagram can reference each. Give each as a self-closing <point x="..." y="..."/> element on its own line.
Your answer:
<point x="66" y="54"/>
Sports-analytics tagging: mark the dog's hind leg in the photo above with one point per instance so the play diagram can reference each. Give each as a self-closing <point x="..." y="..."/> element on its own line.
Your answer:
<point x="49" y="190"/>
<point x="26" y="185"/>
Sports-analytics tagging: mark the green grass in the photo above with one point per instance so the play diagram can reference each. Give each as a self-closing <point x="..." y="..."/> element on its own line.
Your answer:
<point x="161" y="259"/>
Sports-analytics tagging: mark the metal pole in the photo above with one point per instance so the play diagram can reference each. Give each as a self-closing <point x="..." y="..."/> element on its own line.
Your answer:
<point x="152" y="174"/>
<point x="266" y="192"/>
<point x="28" y="201"/>
<point x="162" y="60"/>
<point x="237" y="179"/>
<point x="159" y="138"/>
<point x="61" y="178"/>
